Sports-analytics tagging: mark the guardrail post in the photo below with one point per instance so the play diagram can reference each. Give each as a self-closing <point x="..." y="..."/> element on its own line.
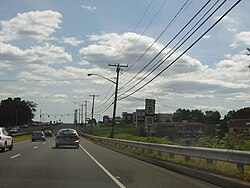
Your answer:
<point x="160" y="153"/>
<point x="209" y="161"/>
<point x="187" y="158"/>
<point x="240" y="167"/>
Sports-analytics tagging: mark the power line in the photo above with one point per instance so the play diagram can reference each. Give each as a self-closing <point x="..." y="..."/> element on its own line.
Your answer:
<point x="154" y="67"/>
<point x="212" y="26"/>
<point x="168" y="25"/>
<point x="143" y="15"/>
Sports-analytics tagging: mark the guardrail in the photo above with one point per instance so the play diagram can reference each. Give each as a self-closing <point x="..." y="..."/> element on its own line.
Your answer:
<point x="238" y="157"/>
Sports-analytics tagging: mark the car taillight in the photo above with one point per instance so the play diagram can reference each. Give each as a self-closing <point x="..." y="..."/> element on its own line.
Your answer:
<point x="77" y="137"/>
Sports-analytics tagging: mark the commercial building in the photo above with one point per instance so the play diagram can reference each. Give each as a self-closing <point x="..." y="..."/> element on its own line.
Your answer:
<point x="239" y="125"/>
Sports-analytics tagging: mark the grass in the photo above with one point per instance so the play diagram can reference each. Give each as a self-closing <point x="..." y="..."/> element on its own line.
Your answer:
<point x="132" y="133"/>
<point x="21" y="138"/>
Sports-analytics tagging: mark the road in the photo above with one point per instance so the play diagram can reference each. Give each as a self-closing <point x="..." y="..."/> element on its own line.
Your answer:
<point x="40" y="164"/>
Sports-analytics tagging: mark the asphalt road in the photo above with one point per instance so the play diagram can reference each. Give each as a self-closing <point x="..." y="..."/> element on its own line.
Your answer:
<point x="40" y="164"/>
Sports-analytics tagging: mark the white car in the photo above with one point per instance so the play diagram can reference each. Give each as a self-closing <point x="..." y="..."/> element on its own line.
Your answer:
<point x="6" y="140"/>
<point x="13" y="130"/>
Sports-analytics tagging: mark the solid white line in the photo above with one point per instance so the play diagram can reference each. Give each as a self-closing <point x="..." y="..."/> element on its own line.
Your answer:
<point x="104" y="169"/>
<point x="15" y="156"/>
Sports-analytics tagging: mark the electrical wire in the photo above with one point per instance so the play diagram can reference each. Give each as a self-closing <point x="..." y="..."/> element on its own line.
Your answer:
<point x="198" y="39"/>
<point x="165" y="45"/>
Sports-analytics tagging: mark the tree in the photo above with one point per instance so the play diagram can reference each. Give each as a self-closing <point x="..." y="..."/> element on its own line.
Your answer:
<point x="16" y="112"/>
<point x="212" y="117"/>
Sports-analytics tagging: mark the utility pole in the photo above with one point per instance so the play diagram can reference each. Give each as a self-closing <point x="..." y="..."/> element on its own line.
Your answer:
<point x="86" y="109"/>
<point x="118" y="69"/>
<point x="82" y="113"/>
<point x="92" y="112"/>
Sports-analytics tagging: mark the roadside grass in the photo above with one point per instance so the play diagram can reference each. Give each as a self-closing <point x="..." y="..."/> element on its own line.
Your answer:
<point x="132" y="133"/>
<point x="216" y="167"/>
<point x="21" y="138"/>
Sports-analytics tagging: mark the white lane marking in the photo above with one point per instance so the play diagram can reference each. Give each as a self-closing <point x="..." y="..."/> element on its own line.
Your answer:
<point x="35" y="147"/>
<point x="44" y="143"/>
<point x="15" y="156"/>
<point x="104" y="169"/>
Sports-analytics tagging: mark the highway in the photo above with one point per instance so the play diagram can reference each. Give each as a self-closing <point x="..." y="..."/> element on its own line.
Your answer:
<point x="40" y="164"/>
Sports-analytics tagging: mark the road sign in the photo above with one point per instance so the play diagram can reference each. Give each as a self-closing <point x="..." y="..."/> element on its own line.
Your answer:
<point x="149" y="120"/>
<point x="150" y="107"/>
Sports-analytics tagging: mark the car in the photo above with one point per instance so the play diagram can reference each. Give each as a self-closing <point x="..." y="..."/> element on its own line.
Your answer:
<point x="25" y="126"/>
<point x="38" y="135"/>
<point x="67" y="137"/>
<point x="48" y="133"/>
<point x="6" y="140"/>
<point x="13" y="130"/>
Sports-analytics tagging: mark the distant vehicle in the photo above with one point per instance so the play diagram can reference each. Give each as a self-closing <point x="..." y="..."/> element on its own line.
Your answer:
<point x="6" y="140"/>
<point x="17" y="127"/>
<point x="38" y="135"/>
<point x="13" y="130"/>
<point x="25" y="126"/>
<point x="68" y="137"/>
<point x="48" y="133"/>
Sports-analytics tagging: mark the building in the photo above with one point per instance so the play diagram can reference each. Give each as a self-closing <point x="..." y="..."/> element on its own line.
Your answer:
<point x="239" y="125"/>
<point x="184" y="129"/>
<point x="161" y="118"/>
<point x="105" y="119"/>
<point x="127" y="118"/>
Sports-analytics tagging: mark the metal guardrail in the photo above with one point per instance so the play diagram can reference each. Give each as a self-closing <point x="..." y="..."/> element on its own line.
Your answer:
<point x="238" y="157"/>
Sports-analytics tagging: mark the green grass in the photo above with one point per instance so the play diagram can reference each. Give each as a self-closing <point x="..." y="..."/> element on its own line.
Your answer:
<point x="21" y="138"/>
<point x="132" y="133"/>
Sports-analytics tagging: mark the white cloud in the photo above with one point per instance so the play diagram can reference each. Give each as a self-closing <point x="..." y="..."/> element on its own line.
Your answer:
<point x="47" y="54"/>
<point x="244" y="37"/>
<point x="36" y="24"/>
<point x="72" y="41"/>
<point x="89" y="8"/>
<point x="206" y="37"/>
<point x="232" y="23"/>
<point x="59" y="98"/>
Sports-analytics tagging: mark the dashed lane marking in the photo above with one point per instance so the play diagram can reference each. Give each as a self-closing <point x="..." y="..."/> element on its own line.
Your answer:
<point x="15" y="156"/>
<point x="35" y="147"/>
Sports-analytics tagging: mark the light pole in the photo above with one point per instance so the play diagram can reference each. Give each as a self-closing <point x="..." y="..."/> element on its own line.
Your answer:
<point x="116" y="91"/>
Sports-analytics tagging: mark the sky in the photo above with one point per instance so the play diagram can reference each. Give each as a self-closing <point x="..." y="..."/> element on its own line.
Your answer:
<point x="47" y="48"/>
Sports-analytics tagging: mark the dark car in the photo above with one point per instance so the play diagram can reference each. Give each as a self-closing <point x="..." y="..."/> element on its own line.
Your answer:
<point x="68" y="137"/>
<point x="48" y="133"/>
<point x="38" y="135"/>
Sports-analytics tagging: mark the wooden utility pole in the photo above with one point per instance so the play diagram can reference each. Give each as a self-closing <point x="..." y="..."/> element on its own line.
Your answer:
<point x="92" y="111"/>
<point x="118" y="69"/>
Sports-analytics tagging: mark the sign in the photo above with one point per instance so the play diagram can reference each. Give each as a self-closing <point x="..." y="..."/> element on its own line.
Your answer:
<point x="150" y="107"/>
<point x="149" y="120"/>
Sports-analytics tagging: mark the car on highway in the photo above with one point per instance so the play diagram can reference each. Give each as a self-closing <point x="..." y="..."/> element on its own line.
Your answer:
<point x="67" y="137"/>
<point x="38" y="135"/>
<point x="48" y="133"/>
<point x="25" y="126"/>
<point x="6" y="141"/>
<point x="13" y="130"/>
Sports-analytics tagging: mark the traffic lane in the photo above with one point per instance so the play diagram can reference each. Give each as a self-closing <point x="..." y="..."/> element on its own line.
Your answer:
<point x="47" y="166"/>
<point x="19" y="148"/>
<point x="135" y="173"/>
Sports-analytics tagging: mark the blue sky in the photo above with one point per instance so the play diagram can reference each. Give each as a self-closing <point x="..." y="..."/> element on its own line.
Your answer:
<point x="47" y="48"/>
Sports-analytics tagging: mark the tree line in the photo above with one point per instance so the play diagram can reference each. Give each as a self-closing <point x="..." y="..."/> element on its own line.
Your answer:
<point x="211" y="118"/>
<point x="15" y="112"/>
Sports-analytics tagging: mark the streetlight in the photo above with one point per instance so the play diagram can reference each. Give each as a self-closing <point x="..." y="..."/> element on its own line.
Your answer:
<point x="102" y="77"/>
<point x="115" y="101"/>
